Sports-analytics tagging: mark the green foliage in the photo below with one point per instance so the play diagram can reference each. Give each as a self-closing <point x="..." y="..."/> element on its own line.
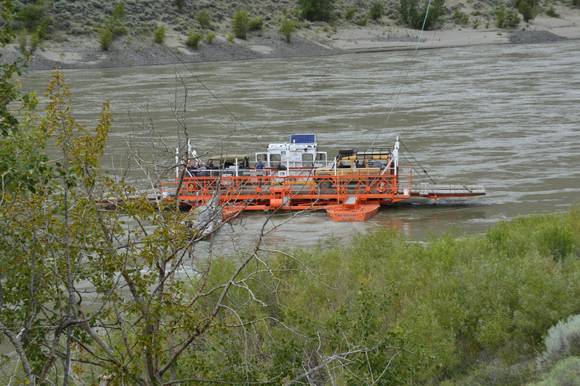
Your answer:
<point x="460" y="18"/>
<point x="528" y="8"/>
<point x="552" y="12"/>
<point x="506" y="18"/>
<point x="317" y="10"/>
<point x="106" y="39"/>
<point x="34" y="16"/>
<point x="565" y="373"/>
<point x="23" y="42"/>
<point x="361" y="21"/>
<point x="240" y="24"/>
<point x="204" y="19"/>
<point x="159" y="35"/>
<point x="287" y="28"/>
<point x="230" y="38"/>
<point x="180" y="4"/>
<point x="256" y="24"/>
<point x="350" y="13"/>
<point x="210" y="37"/>
<point x="418" y="16"/>
<point x="377" y="10"/>
<point x="193" y="39"/>
<point x="562" y="341"/>
<point x="118" y="11"/>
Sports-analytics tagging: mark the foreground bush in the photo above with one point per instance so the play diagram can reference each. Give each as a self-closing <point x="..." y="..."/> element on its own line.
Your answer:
<point x="411" y="312"/>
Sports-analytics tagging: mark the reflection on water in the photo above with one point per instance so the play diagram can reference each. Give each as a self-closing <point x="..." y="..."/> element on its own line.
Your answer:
<point x="506" y="117"/>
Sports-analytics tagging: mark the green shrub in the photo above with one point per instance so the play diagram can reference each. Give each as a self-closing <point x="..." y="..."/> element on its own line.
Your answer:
<point x="316" y="10"/>
<point x="506" y="18"/>
<point x="118" y="11"/>
<point x="33" y="16"/>
<point x="415" y="15"/>
<point x="552" y="12"/>
<point x="204" y="19"/>
<point x="159" y="35"/>
<point x="528" y="9"/>
<point x="565" y="373"/>
<point x="476" y="23"/>
<point x="23" y="42"/>
<point x="287" y="28"/>
<point x="460" y="18"/>
<point x="377" y="10"/>
<point x="256" y="24"/>
<point x="362" y="20"/>
<point x="230" y="38"/>
<point x="210" y="37"/>
<point x="35" y="39"/>
<point x="562" y="341"/>
<point x="180" y="4"/>
<point x="193" y="39"/>
<point x="106" y="39"/>
<point x="350" y="13"/>
<point x="240" y="24"/>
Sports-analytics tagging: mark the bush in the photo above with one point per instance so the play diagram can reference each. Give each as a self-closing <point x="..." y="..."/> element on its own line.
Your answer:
<point x="159" y="35"/>
<point x="460" y="18"/>
<point x="316" y="10"/>
<point x="415" y="16"/>
<point x="362" y="20"/>
<point x="193" y="39"/>
<point x="240" y="24"/>
<point x="204" y="19"/>
<point x="210" y="37"/>
<point x="34" y="16"/>
<point x="23" y="42"/>
<point x="106" y="39"/>
<point x="552" y="12"/>
<point x="506" y="18"/>
<point x="562" y="341"/>
<point x="528" y="9"/>
<point x="565" y="373"/>
<point x="180" y="4"/>
<point x="118" y="12"/>
<point x="377" y="10"/>
<point x="350" y="13"/>
<point x="35" y="39"/>
<point x="230" y="38"/>
<point x="287" y="28"/>
<point x="256" y="24"/>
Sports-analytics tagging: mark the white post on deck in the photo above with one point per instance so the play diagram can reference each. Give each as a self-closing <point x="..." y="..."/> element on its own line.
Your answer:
<point x="236" y="166"/>
<point x="396" y="155"/>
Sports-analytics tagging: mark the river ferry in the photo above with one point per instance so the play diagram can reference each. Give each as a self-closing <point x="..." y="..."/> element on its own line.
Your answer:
<point x="297" y="176"/>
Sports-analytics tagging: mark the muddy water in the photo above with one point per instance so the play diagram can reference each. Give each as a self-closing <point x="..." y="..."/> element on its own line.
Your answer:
<point x="506" y="117"/>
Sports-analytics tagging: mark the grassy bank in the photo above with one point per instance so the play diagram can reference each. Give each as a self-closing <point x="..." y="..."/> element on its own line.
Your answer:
<point x="471" y="311"/>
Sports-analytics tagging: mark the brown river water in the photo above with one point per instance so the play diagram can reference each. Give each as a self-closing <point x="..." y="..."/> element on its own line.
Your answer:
<point x="506" y="117"/>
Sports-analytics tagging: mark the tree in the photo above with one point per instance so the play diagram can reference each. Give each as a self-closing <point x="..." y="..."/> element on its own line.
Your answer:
<point x="317" y="10"/>
<point x="425" y="17"/>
